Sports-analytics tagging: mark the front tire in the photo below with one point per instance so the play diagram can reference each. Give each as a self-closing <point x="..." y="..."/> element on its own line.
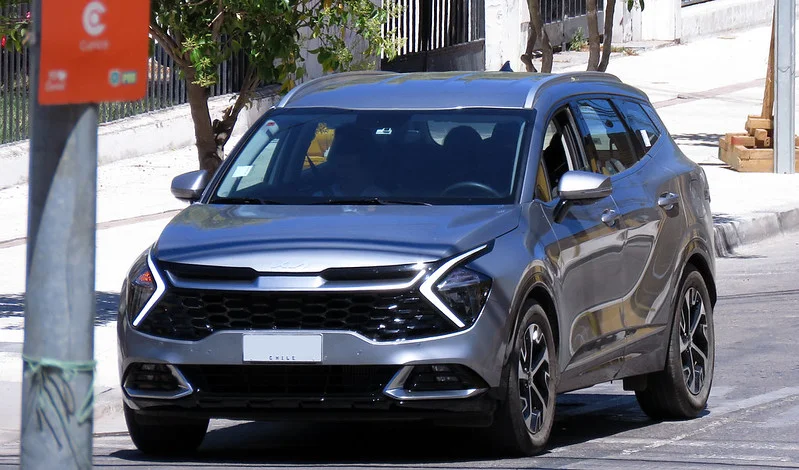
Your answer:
<point x="162" y="437"/>
<point x="523" y="422"/>
<point x="682" y="388"/>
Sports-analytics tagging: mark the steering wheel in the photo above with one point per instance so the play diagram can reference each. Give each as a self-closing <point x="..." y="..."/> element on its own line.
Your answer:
<point x="471" y="184"/>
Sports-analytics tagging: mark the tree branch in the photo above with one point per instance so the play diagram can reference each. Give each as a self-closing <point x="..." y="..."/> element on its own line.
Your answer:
<point x="216" y="23"/>
<point x="169" y="44"/>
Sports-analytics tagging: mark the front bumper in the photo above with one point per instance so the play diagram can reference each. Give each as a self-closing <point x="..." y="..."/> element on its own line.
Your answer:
<point x="479" y="349"/>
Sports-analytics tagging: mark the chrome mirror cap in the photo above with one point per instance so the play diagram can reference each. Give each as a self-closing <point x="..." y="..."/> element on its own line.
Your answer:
<point x="582" y="185"/>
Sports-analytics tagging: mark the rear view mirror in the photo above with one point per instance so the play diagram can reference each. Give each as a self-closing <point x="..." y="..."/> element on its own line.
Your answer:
<point x="578" y="186"/>
<point x="190" y="186"/>
<point x="583" y="185"/>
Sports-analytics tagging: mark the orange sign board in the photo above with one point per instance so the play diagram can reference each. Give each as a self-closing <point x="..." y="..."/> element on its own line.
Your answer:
<point x="93" y="51"/>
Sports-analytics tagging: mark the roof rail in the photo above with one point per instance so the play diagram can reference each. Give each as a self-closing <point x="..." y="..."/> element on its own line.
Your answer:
<point x="568" y="77"/>
<point x="315" y="84"/>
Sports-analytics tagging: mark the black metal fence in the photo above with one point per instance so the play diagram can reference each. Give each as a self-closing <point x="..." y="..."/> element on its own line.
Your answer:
<point x="553" y="11"/>
<point x="439" y="35"/>
<point x="434" y="24"/>
<point x="165" y="87"/>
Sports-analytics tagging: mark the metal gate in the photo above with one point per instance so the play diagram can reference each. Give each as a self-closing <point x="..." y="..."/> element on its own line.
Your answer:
<point x="562" y="18"/>
<point x="440" y="35"/>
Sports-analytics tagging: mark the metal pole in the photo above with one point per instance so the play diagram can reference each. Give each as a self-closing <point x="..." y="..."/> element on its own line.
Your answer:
<point x="57" y="394"/>
<point x="784" y="130"/>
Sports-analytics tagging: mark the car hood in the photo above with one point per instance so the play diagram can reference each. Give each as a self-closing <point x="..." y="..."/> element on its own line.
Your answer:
<point x="310" y="239"/>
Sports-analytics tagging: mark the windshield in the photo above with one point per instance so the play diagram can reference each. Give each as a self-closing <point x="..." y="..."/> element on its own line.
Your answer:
<point x="378" y="157"/>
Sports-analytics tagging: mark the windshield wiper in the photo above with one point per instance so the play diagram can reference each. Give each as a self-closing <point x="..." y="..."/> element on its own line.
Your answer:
<point x="371" y="201"/>
<point x="242" y="200"/>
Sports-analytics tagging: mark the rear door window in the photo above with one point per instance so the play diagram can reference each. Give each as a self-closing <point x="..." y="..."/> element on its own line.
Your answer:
<point x="607" y="144"/>
<point x="644" y="130"/>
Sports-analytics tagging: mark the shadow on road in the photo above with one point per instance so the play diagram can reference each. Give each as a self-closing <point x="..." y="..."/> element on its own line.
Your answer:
<point x="403" y="444"/>
<point x="699" y="139"/>
<point x="13" y="306"/>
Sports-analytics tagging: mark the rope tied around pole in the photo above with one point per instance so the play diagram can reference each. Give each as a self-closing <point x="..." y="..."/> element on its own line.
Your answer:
<point x="54" y="402"/>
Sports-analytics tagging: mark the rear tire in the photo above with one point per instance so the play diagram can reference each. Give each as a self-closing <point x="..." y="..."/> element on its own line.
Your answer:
<point x="159" y="436"/>
<point x="523" y="421"/>
<point x="682" y="388"/>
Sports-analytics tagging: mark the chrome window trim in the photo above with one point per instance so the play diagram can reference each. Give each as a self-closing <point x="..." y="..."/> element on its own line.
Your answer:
<point x="160" y="288"/>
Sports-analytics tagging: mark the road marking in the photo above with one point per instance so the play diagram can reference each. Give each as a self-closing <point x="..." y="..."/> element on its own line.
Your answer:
<point x="752" y="404"/>
<point x="737" y="445"/>
<point x="787" y="419"/>
<point x="754" y="401"/>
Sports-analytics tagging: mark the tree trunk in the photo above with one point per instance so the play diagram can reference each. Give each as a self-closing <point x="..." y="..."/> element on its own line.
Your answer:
<point x="593" y="35"/>
<point x="203" y="130"/>
<point x="527" y="57"/>
<point x="537" y="32"/>
<point x="212" y="136"/>
<point x="223" y="128"/>
<point x="607" y="44"/>
<point x="548" y="53"/>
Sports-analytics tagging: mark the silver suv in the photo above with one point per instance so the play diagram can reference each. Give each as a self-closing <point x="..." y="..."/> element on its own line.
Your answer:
<point x="449" y="247"/>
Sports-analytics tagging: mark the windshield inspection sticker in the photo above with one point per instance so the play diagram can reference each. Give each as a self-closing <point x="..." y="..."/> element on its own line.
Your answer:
<point x="242" y="171"/>
<point x="383" y="131"/>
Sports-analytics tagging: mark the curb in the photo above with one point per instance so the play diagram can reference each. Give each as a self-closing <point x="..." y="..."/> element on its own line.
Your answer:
<point x="732" y="234"/>
<point x="107" y="403"/>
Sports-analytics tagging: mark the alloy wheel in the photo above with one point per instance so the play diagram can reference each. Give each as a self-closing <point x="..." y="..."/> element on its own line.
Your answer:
<point x="694" y="341"/>
<point x="534" y="378"/>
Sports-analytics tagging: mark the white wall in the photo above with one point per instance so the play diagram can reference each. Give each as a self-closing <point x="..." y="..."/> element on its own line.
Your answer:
<point x="667" y="20"/>
<point x="504" y="38"/>
<point x="722" y="15"/>
<point x="660" y="20"/>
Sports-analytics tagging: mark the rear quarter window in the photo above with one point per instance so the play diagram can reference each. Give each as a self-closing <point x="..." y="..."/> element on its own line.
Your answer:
<point x="644" y="129"/>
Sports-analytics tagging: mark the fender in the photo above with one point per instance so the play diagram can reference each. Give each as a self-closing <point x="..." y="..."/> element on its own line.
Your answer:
<point x="536" y="275"/>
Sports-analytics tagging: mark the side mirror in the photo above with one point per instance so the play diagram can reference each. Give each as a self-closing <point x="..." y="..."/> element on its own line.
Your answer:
<point x="190" y="186"/>
<point x="583" y="185"/>
<point x="580" y="186"/>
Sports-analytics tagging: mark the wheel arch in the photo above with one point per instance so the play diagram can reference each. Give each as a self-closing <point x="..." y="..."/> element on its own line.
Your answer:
<point x="700" y="263"/>
<point x="537" y="288"/>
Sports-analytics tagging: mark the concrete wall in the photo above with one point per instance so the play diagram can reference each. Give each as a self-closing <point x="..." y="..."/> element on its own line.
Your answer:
<point x="660" y="20"/>
<point x="723" y="15"/>
<point x="504" y="37"/>
<point x="145" y="134"/>
<point x="667" y="20"/>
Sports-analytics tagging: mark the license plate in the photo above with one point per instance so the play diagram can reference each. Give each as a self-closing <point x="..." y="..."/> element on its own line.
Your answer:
<point x="282" y="348"/>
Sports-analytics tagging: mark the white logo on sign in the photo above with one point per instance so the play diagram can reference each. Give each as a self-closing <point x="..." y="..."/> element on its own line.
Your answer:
<point x="56" y="80"/>
<point x="92" y="21"/>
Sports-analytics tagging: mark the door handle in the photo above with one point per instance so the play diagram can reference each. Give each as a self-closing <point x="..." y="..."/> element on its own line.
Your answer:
<point x="668" y="201"/>
<point x="609" y="217"/>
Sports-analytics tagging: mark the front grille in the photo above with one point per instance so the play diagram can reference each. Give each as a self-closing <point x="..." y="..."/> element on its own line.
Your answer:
<point x="289" y="381"/>
<point x="382" y="316"/>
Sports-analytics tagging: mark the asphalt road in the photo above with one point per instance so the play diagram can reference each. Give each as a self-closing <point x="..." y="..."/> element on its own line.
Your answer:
<point x="751" y="421"/>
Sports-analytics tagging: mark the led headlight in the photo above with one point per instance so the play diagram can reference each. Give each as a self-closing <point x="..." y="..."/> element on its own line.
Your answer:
<point x="458" y="292"/>
<point x="465" y="292"/>
<point x="143" y="288"/>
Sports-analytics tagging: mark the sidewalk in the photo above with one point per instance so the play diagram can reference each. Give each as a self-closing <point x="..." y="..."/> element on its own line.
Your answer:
<point x="701" y="90"/>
